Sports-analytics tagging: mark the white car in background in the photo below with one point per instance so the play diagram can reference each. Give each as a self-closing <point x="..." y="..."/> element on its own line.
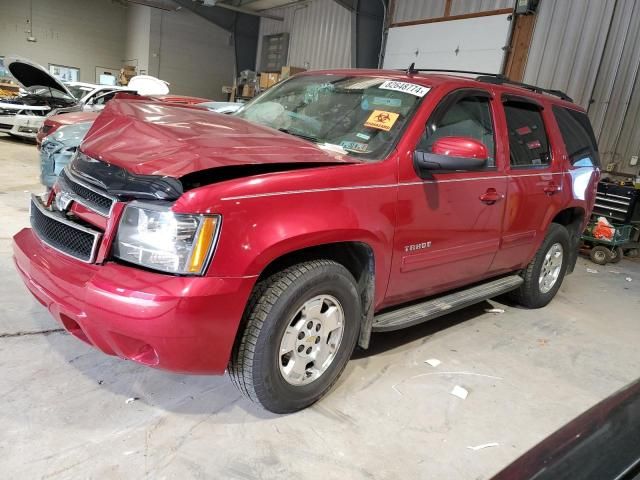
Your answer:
<point x="44" y="95"/>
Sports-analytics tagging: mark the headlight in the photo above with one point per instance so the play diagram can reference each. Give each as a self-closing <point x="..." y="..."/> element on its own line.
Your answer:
<point x="155" y="237"/>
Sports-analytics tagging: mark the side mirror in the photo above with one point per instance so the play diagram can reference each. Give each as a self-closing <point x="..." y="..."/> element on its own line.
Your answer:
<point x="450" y="154"/>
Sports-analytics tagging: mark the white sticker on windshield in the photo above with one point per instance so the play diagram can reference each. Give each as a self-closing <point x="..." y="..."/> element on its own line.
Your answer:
<point x="412" y="88"/>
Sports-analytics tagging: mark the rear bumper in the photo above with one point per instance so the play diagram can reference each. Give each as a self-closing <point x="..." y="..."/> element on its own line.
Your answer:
<point x="181" y="324"/>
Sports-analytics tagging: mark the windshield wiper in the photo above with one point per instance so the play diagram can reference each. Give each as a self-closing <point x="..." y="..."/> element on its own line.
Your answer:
<point x="299" y="135"/>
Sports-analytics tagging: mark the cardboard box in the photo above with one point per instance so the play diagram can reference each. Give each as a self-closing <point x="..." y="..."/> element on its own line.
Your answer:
<point x="289" y="71"/>
<point x="248" y="91"/>
<point x="268" y="80"/>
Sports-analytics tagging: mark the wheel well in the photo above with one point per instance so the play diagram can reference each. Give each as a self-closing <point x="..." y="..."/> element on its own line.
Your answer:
<point x="357" y="257"/>
<point x="572" y="219"/>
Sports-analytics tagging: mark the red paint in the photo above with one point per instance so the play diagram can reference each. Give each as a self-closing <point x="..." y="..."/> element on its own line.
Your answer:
<point x="460" y="147"/>
<point x="54" y="122"/>
<point x="478" y="224"/>
<point x="169" y="148"/>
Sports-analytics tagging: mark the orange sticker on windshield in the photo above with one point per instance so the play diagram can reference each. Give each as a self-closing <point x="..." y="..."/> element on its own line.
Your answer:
<point x="381" y="120"/>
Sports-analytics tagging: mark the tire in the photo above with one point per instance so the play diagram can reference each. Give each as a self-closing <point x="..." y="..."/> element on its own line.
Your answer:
<point x="280" y="309"/>
<point x="600" y="255"/>
<point x="532" y="293"/>
<point x="616" y="255"/>
<point x="632" y="253"/>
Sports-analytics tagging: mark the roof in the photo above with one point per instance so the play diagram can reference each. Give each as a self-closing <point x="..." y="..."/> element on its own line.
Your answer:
<point x="434" y="80"/>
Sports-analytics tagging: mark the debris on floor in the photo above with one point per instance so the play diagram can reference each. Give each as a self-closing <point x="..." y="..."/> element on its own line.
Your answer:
<point x="484" y="445"/>
<point x="494" y="310"/>
<point x="629" y="279"/>
<point x="542" y="342"/>
<point x="131" y="400"/>
<point x="460" y="392"/>
<point x="434" y="362"/>
<point x="591" y="270"/>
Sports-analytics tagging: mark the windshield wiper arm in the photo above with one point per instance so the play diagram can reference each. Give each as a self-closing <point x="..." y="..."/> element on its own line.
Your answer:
<point x="300" y="135"/>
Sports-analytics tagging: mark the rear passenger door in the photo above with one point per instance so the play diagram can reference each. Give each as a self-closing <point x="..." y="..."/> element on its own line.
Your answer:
<point x="535" y="182"/>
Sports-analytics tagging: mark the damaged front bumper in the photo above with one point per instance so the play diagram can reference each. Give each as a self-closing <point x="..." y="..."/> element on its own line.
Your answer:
<point x="180" y="324"/>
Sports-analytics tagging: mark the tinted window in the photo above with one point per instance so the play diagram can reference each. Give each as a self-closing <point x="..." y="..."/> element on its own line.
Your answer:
<point x="469" y="116"/>
<point x="528" y="144"/>
<point x="578" y="137"/>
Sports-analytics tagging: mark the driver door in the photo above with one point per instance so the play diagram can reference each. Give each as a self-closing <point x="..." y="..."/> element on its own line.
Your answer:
<point x="448" y="233"/>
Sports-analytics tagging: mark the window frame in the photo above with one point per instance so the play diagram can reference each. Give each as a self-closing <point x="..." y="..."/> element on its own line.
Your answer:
<point x="449" y="100"/>
<point x="511" y="98"/>
<point x="593" y="141"/>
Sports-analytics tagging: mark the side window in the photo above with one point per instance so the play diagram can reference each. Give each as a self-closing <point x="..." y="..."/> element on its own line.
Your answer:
<point x="578" y="137"/>
<point x="461" y="116"/>
<point x="528" y="143"/>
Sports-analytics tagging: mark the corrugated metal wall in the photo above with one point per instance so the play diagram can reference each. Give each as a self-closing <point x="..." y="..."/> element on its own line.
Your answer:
<point x="407" y="10"/>
<point x="615" y="111"/>
<point x="460" y="7"/>
<point x="567" y="46"/>
<point x="591" y="50"/>
<point x="320" y="34"/>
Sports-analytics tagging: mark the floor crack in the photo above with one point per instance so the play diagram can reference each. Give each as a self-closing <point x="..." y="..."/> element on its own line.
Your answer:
<point x="24" y="334"/>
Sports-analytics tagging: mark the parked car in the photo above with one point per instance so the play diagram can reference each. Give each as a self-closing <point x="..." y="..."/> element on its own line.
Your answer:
<point x="23" y="116"/>
<point x="61" y="135"/>
<point x="59" y="148"/>
<point x="53" y="122"/>
<point x="338" y="203"/>
<point x="603" y="443"/>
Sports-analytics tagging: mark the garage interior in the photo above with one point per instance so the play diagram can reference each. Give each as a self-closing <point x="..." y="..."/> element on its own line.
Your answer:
<point x="69" y="411"/>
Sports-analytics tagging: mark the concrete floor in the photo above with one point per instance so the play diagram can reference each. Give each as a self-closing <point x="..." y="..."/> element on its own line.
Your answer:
<point x="64" y="410"/>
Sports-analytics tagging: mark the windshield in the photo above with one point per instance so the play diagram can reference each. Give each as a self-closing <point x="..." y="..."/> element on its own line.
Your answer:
<point x="48" y="92"/>
<point x="364" y="116"/>
<point x="78" y="91"/>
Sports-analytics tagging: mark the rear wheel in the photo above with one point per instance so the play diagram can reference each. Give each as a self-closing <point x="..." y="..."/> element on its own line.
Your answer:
<point x="616" y="254"/>
<point x="600" y="255"/>
<point x="301" y="327"/>
<point x="544" y="275"/>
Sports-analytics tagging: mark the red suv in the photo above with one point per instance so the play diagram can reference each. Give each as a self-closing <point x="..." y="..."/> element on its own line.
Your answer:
<point x="336" y="204"/>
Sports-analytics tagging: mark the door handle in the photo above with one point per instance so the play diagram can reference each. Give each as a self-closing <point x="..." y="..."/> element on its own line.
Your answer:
<point x="491" y="196"/>
<point x="551" y="188"/>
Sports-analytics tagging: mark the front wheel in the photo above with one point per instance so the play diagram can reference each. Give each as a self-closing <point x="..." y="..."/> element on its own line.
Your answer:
<point x="301" y="327"/>
<point x="544" y="275"/>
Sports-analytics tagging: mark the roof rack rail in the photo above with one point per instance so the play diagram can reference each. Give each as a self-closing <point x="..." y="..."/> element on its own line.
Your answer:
<point x="495" y="78"/>
<point x="501" y="79"/>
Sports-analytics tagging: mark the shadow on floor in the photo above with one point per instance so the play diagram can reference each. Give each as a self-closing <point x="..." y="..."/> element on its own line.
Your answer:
<point x="383" y="342"/>
<point x="4" y="138"/>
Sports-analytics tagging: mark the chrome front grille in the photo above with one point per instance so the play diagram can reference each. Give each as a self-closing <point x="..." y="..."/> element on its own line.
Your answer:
<point x="62" y="234"/>
<point x="86" y="195"/>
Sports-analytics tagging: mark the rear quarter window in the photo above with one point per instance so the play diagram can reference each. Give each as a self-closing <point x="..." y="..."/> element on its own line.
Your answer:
<point x="578" y="137"/>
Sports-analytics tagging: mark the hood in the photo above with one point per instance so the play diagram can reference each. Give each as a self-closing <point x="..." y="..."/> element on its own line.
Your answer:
<point x="148" y="85"/>
<point x="152" y="138"/>
<point x="29" y="74"/>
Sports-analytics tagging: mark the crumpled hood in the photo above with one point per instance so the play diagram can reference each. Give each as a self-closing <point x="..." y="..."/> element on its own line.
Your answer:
<point x="151" y="138"/>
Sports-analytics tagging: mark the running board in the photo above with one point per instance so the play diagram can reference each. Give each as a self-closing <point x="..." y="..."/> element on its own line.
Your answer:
<point x="421" y="312"/>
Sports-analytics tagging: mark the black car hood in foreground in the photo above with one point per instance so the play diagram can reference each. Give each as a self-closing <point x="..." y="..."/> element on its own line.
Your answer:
<point x="601" y="444"/>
